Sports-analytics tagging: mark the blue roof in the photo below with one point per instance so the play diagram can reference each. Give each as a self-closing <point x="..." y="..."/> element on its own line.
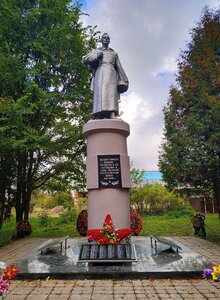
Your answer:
<point x="152" y="175"/>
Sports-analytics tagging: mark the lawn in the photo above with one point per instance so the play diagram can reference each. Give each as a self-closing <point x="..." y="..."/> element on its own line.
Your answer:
<point x="165" y="225"/>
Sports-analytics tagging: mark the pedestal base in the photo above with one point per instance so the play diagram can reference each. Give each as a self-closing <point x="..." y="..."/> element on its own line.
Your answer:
<point x="102" y="202"/>
<point x="107" y="138"/>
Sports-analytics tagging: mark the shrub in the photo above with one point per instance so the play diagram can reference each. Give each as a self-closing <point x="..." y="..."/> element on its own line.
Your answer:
<point x="43" y="219"/>
<point x="67" y="217"/>
<point x="154" y="198"/>
<point x="82" y="204"/>
<point x="181" y="212"/>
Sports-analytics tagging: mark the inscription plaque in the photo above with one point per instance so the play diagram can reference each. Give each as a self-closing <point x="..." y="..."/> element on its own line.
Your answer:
<point x="107" y="253"/>
<point x="103" y="253"/>
<point x="94" y="251"/>
<point x="109" y="168"/>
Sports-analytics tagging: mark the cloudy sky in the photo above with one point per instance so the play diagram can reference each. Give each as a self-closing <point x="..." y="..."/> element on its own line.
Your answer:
<point x="148" y="36"/>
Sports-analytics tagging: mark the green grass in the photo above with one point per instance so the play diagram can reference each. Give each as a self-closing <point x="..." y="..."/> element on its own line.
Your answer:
<point x="170" y="224"/>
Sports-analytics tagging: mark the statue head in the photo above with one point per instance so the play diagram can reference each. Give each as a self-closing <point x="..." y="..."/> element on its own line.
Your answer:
<point x="105" y="39"/>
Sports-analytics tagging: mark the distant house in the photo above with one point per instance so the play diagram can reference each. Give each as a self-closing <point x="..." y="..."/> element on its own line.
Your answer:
<point x="152" y="177"/>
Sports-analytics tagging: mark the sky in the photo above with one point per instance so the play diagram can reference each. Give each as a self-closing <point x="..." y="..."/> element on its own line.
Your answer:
<point x="148" y="36"/>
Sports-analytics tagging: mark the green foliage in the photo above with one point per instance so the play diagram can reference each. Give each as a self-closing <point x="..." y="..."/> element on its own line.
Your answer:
<point x="187" y="211"/>
<point x="45" y="98"/>
<point x="82" y="204"/>
<point x="44" y="219"/>
<point x="136" y="176"/>
<point x="190" y="156"/>
<point x="154" y="198"/>
<point x="48" y="200"/>
<point x="67" y="217"/>
<point x="43" y="200"/>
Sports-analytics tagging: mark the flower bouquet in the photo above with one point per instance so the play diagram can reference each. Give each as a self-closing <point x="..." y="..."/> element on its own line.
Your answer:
<point x="109" y="234"/>
<point x="215" y="272"/>
<point x="6" y="274"/>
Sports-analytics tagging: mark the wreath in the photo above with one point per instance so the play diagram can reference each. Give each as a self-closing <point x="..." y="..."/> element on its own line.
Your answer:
<point x="82" y="222"/>
<point x="136" y="223"/>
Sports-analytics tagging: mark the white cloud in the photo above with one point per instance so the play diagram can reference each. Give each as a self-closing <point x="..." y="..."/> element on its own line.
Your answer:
<point x="148" y="36"/>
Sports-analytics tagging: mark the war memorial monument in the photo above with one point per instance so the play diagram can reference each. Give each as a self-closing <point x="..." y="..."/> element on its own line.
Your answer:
<point x="108" y="184"/>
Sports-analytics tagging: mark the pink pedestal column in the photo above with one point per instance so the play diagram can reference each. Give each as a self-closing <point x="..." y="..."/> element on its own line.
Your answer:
<point x="107" y="138"/>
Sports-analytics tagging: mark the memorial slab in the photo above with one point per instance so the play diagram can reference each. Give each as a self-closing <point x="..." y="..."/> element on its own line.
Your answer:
<point x="183" y="265"/>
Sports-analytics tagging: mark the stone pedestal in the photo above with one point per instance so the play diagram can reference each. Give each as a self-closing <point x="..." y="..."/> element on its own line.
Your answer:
<point x="108" y="172"/>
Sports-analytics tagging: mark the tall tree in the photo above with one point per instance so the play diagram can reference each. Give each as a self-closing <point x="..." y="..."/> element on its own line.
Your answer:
<point x="44" y="96"/>
<point x="190" y="155"/>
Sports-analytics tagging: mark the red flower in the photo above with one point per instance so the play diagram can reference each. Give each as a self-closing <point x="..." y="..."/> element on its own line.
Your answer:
<point x="10" y="272"/>
<point x="110" y="230"/>
<point x="103" y="240"/>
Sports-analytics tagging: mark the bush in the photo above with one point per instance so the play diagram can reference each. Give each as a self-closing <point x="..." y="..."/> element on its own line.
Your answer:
<point x="48" y="200"/>
<point x="43" y="219"/>
<point x="67" y="217"/>
<point x="182" y="212"/>
<point x="82" y="204"/>
<point x="43" y="200"/>
<point x="154" y="198"/>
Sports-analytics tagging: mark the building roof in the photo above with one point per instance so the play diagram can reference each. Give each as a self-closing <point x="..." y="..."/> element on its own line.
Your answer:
<point x="152" y="175"/>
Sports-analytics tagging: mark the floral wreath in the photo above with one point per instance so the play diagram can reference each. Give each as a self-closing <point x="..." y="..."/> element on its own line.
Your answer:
<point x="136" y="223"/>
<point x="82" y="222"/>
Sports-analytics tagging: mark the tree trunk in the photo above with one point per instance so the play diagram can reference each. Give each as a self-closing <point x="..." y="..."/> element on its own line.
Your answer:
<point x="18" y="198"/>
<point x="27" y="205"/>
<point x="2" y="204"/>
<point x="29" y="187"/>
<point x="3" y="177"/>
<point x="217" y="194"/>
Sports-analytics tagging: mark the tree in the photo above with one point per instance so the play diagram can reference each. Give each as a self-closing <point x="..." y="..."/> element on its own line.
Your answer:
<point x="136" y="175"/>
<point x="44" y="97"/>
<point x="190" y="155"/>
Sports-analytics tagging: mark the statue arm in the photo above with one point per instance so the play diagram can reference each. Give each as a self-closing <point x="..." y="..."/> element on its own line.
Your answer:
<point x="121" y="73"/>
<point x="91" y="57"/>
<point x="92" y="60"/>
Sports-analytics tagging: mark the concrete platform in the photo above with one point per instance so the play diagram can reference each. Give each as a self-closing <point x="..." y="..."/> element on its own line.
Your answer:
<point x="187" y="264"/>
